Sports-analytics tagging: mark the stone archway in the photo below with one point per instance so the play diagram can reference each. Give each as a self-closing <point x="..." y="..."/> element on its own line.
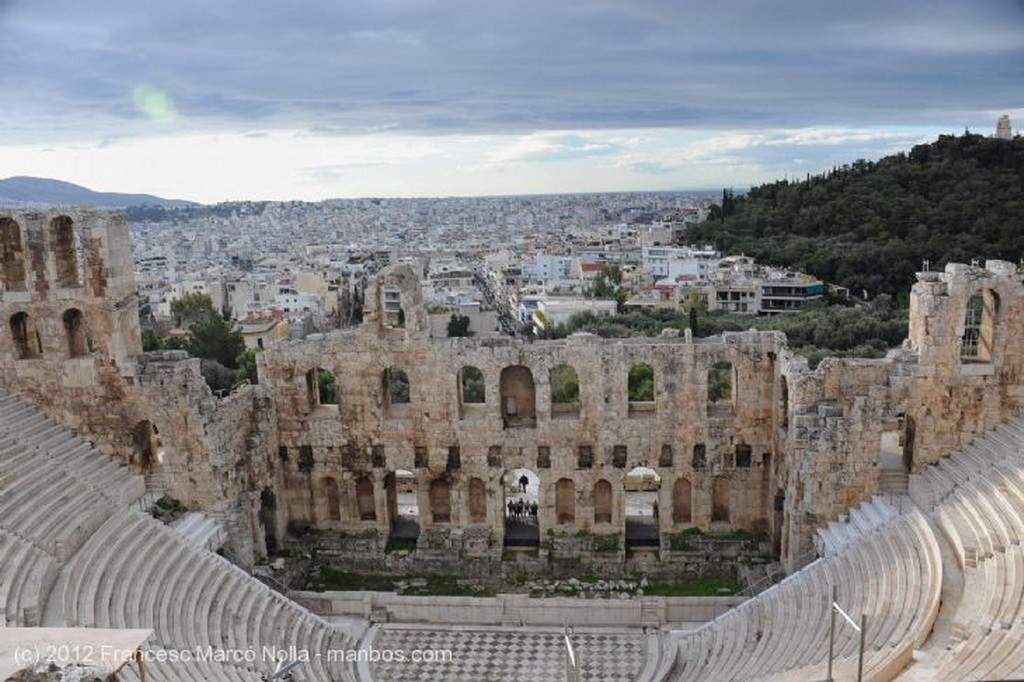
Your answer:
<point x="641" y="486"/>
<point x="521" y="490"/>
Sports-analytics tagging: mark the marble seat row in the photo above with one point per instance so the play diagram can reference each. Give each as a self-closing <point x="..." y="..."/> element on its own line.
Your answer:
<point x="136" y="572"/>
<point x="977" y="502"/>
<point x="785" y="628"/>
<point x="74" y="552"/>
<point x="55" y="489"/>
<point x="26" y="574"/>
<point x="200" y="530"/>
<point x="855" y="524"/>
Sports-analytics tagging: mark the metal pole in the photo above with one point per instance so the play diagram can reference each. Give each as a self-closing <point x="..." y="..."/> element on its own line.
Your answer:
<point x="860" y="659"/>
<point x="831" y="629"/>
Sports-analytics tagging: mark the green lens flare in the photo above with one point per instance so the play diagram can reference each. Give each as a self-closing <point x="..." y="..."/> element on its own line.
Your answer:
<point x="154" y="103"/>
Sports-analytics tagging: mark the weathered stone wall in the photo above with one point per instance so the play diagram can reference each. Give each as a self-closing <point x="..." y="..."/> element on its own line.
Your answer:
<point x="784" y="451"/>
<point x="362" y="436"/>
<point x="93" y="377"/>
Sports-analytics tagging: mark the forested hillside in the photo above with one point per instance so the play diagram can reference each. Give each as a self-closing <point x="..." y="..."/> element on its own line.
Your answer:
<point x="869" y="225"/>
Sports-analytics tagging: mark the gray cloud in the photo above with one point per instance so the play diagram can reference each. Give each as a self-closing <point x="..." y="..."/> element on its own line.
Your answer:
<point x="495" y="66"/>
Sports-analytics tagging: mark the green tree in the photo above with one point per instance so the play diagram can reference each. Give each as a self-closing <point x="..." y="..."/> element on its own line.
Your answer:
<point x="565" y="385"/>
<point x="641" y="383"/>
<point x="217" y="376"/>
<point x="150" y="341"/>
<point x="473" y="387"/>
<point x="328" y="392"/>
<point x="215" y="338"/>
<point x="458" y="326"/>
<point x="192" y="308"/>
<point x="247" y="367"/>
<point x="607" y="283"/>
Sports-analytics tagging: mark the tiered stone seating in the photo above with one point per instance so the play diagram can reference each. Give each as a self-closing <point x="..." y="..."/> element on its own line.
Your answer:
<point x="26" y="573"/>
<point x="72" y="550"/>
<point x="858" y="523"/>
<point x="785" y="628"/>
<point x="200" y="530"/>
<point x="140" y="573"/>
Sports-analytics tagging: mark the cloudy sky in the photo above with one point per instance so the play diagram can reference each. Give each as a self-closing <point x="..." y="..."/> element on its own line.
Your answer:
<point x="235" y="99"/>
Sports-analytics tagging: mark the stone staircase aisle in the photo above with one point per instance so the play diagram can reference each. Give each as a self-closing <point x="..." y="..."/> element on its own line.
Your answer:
<point x="893" y="478"/>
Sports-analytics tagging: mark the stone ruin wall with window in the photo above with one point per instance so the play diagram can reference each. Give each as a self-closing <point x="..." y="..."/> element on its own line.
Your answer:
<point x="787" y="451"/>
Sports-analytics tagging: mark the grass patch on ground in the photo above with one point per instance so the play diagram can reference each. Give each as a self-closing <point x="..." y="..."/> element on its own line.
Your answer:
<point x="711" y="586"/>
<point x="447" y="586"/>
<point x="328" y="579"/>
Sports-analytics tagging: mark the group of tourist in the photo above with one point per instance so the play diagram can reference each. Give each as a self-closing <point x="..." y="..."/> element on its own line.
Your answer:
<point x="521" y="510"/>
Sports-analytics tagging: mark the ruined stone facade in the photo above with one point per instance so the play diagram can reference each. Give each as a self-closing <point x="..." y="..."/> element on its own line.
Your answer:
<point x="779" y="450"/>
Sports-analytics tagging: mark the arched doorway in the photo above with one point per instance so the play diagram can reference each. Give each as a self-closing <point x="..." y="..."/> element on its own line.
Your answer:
<point x="720" y="493"/>
<point x="332" y="499"/>
<point x="602" y="502"/>
<point x="682" y="501"/>
<point x="403" y="505"/>
<point x="521" y="489"/>
<point x="642" y="486"/>
<point x="440" y="494"/>
<point x="565" y="501"/>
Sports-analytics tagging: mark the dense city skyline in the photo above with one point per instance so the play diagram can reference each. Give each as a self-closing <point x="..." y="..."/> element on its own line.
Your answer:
<point x="406" y="99"/>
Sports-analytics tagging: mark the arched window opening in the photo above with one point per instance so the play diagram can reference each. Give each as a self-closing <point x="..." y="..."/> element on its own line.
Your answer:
<point x="682" y="501"/>
<point x="700" y="456"/>
<point x="471" y="381"/>
<point x="12" y="255"/>
<point x="640" y="390"/>
<point x="565" y="391"/>
<point x="602" y="502"/>
<point x="74" y="330"/>
<point x="25" y="336"/>
<point x="518" y="397"/>
<point x="323" y="388"/>
<point x="565" y="501"/>
<point x="721" y="386"/>
<point x="65" y="251"/>
<point x="978" y="339"/>
<point x="472" y="392"/>
<point x="397" y="392"/>
<point x="744" y="455"/>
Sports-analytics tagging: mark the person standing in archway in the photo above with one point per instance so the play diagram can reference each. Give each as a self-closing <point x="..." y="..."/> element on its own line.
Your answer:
<point x="523" y="480"/>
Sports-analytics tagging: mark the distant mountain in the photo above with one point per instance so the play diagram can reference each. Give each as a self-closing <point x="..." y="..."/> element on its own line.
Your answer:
<point x="22" y="191"/>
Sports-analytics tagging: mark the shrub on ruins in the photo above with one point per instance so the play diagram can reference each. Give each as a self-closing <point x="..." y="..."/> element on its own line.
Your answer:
<point x="246" y="371"/>
<point x="207" y="334"/>
<point x="458" y="325"/>
<point x="823" y="329"/>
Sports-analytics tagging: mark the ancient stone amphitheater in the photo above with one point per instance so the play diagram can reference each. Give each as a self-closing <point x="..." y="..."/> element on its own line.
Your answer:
<point x="926" y="546"/>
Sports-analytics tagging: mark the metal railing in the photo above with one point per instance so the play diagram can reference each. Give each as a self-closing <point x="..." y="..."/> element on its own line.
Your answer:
<point x="834" y="608"/>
